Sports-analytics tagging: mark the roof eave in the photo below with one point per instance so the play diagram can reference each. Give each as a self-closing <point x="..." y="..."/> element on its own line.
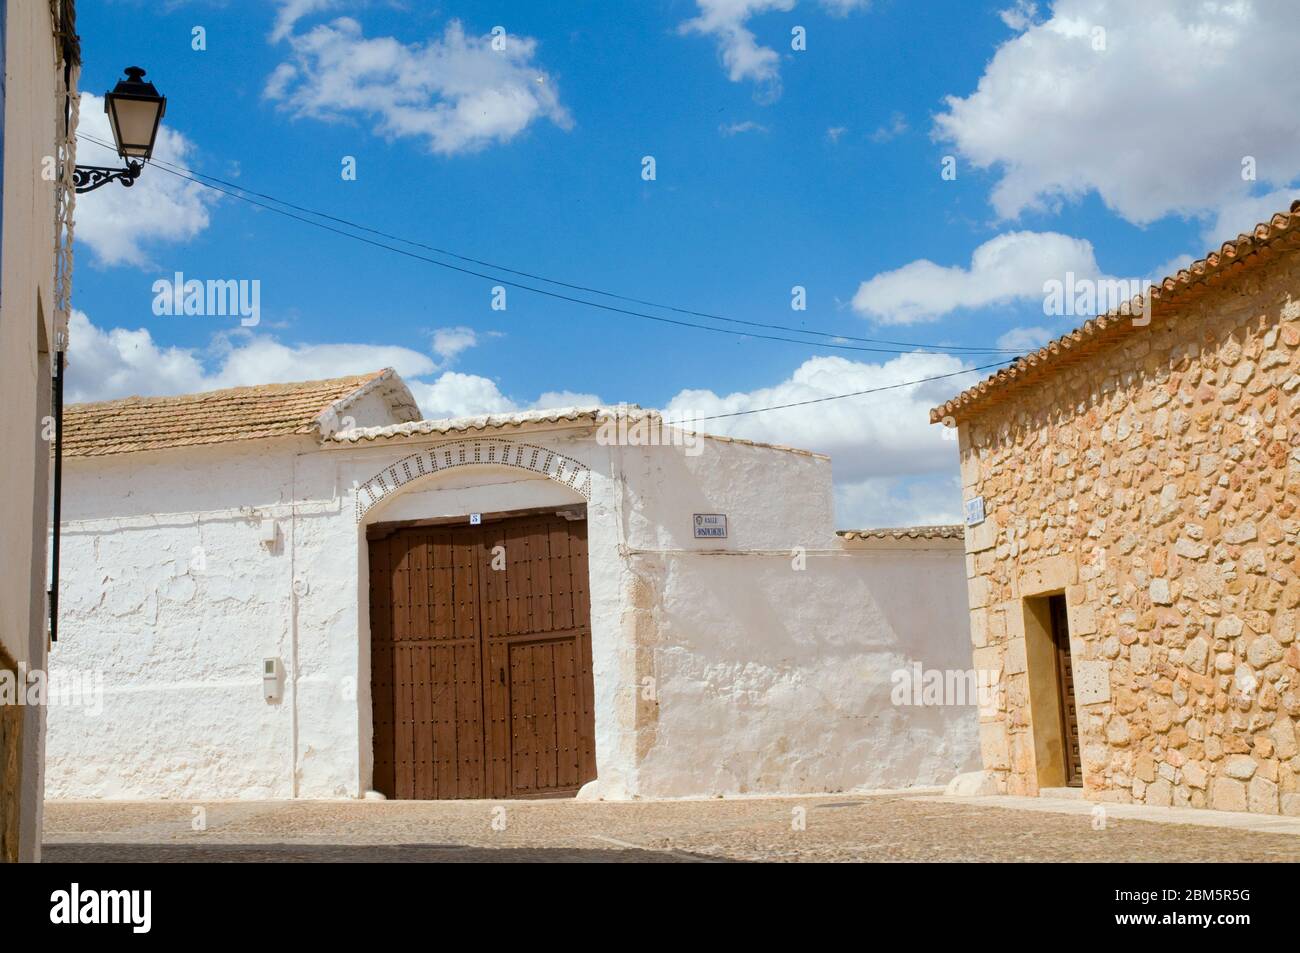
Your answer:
<point x="1279" y="235"/>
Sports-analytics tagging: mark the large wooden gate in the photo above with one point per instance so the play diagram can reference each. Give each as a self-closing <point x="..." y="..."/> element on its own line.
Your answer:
<point x="481" y="659"/>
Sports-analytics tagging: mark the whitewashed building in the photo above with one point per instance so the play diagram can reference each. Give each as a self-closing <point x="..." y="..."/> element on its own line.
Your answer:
<point x="302" y="590"/>
<point x="39" y="62"/>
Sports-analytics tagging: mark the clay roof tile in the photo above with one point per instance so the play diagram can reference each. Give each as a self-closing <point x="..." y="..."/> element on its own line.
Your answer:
<point x="236" y="413"/>
<point x="1282" y="228"/>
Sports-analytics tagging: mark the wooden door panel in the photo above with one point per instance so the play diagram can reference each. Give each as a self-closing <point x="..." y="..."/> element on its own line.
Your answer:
<point x="546" y="745"/>
<point x="568" y="712"/>
<point x="1065" y="685"/>
<point x="481" y="660"/>
<point x="403" y="720"/>
<point x="381" y="668"/>
<point x="425" y="679"/>
<point x="467" y="703"/>
<point x="544" y="757"/>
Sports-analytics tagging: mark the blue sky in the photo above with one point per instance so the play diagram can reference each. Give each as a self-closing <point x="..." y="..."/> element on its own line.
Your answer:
<point x="1074" y="150"/>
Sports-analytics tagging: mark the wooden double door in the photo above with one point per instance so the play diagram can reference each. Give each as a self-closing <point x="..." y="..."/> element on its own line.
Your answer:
<point x="481" y="659"/>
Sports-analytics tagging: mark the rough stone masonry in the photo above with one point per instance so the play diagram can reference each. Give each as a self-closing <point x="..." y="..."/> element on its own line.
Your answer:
<point x="1151" y="473"/>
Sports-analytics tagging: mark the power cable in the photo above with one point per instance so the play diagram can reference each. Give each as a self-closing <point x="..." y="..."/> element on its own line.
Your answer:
<point x="198" y="177"/>
<point x="856" y="393"/>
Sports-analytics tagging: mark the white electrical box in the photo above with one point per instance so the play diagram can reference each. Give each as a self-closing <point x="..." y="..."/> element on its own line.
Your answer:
<point x="270" y="532"/>
<point x="272" y="679"/>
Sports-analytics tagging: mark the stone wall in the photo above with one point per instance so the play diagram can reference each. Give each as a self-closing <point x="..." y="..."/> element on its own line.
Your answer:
<point x="1156" y="484"/>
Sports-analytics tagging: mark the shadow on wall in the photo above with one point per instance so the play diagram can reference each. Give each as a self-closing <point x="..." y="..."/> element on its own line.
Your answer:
<point x="777" y="680"/>
<point x="922" y="596"/>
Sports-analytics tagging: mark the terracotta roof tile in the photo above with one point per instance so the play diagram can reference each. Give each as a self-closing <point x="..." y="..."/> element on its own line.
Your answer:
<point x="949" y="531"/>
<point x="453" y="426"/>
<point x="1282" y="231"/>
<point x="584" y="416"/>
<point x="219" y="416"/>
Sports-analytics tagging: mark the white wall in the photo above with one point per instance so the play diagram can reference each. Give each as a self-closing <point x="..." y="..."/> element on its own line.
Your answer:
<point x="768" y="678"/>
<point x="771" y="678"/>
<point x="26" y="343"/>
<point x="169" y="594"/>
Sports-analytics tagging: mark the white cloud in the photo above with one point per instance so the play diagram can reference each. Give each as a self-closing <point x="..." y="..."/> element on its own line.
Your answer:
<point x="897" y="126"/>
<point x="887" y="434"/>
<point x="104" y="364"/>
<point x="745" y="59"/>
<point x="264" y="359"/>
<point x="1157" y="123"/>
<point x="842" y="8"/>
<point x="899" y="501"/>
<point x="291" y="11"/>
<point x="742" y="55"/>
<point x="1021" y="16"/>
<point x="454" y="394"/>
<point x="118" y="224"/>
<point x="1008" y="267"/>
<point x="455" y="91"/>
<point x="1027" y="339"/>
<point x="1242" y="215"/>
<point x="566" y="398"/>
<point x="448" y="343"/>
<point x="891" y="466"/>
<point x="108" y="363"/>
<point x="833" y="133"/>
<point x="736" y="128"/>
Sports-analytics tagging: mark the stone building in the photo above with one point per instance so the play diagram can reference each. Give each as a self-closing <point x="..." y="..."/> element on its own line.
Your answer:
<point x="301" y="590"/>
<point x="38" y="58"/>
<point x="1131" y="494"/>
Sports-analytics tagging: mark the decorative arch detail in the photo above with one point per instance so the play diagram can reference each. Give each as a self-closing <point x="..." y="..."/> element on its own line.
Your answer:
<point x="478" y="451"/>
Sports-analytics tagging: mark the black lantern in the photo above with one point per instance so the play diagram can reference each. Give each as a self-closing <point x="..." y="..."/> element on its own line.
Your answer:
<point x="134" y="111"/>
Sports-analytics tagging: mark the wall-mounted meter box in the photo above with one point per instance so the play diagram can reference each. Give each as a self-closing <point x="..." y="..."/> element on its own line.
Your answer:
<point x="269" y="530"/>
<point x="272" y="679"/>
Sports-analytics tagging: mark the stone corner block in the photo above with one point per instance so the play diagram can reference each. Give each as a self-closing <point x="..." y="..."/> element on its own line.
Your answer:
<point x="993" y="746"/>
<point x="1014" y="661"/>
<point x="1091" y="682"/>
<point x="982" y="536"/>
<point x="1046" y="575"/>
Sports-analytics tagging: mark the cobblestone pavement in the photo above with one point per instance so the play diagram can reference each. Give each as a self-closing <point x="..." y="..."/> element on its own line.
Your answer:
<point x="888" y="827"/>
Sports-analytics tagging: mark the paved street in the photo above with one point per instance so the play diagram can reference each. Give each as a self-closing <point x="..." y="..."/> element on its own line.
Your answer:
<point x="883" y="827"/>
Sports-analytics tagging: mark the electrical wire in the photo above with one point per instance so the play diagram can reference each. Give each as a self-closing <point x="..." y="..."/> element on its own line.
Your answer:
<point x="893" y="346"/>
<point x="856" y="393"/>
<point x="191" y="176"/>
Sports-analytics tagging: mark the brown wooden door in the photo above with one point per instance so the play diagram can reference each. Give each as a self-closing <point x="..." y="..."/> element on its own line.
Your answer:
<point x="537" y="656"/>
<point x="1065" y="685"/>
<point x="481" y="660"/>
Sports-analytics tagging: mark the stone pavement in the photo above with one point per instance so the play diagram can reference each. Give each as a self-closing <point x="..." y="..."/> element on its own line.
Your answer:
<point x="913" y="826"/>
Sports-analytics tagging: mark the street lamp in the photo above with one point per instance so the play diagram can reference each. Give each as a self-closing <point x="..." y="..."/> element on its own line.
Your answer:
<point x="134" y="111"/>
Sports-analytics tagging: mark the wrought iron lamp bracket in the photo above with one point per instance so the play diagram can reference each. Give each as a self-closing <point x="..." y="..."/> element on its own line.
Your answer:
<point x="87" y="178"/>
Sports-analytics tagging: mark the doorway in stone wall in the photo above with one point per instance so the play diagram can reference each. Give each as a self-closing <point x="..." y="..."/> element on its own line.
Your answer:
<point x="1060" y="631"/>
